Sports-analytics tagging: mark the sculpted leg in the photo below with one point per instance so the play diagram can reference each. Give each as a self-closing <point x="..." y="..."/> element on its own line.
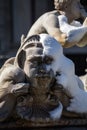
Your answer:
<point x="83" y="41"/>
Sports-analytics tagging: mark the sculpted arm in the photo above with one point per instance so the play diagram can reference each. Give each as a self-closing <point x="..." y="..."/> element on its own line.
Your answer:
<point x="11" y="85"/>
<point x="75" y="89"/>
<point x="12" y="80"/>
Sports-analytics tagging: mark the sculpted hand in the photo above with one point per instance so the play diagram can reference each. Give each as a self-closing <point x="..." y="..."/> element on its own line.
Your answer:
<point x="63" y="38"/>
<point x="20" y="88"/>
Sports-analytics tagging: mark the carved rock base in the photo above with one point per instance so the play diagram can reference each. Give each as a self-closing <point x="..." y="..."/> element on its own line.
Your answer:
<point x="18" y="123"/>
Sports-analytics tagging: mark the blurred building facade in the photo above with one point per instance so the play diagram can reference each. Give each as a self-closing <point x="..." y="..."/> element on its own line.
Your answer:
<point x="16" y="18"/>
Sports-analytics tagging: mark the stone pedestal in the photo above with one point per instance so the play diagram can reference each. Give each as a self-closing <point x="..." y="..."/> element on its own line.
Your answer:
<point x="63" y="123"/>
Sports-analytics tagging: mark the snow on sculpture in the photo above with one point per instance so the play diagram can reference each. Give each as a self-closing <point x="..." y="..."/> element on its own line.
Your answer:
<point x="75" y="31"/>
<point x="30" y="83"/>
<point x="65" y="67"/>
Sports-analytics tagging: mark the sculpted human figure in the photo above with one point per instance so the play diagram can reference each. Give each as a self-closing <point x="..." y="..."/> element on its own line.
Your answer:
<point x="48" y="22"/>
<point x="41" y="102"/>
<point x="18" y="74"/>
<point x="54" y="63"/>
<point x="30" y="82"/>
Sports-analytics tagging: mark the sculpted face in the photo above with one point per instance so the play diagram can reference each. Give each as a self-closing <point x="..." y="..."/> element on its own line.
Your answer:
<point x="35" y="65"/>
